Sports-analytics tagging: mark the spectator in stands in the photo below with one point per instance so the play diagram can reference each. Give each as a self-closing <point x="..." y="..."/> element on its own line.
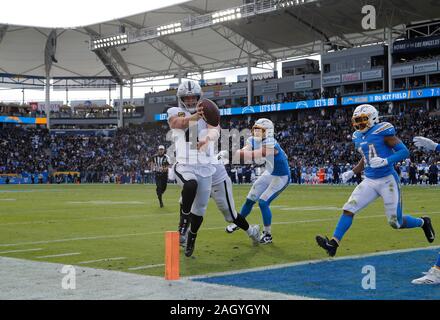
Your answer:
<point x="309" y="138"/>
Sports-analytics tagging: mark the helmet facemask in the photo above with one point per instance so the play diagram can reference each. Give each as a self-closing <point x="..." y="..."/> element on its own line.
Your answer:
<point x="191" y="106"/>
<point x="364" y="118"/>
<point x="361" y="122"/>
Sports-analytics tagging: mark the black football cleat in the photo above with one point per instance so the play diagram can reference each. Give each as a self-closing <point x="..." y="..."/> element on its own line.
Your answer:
<point x="190" y="244"/>
<point x="330" y="246"/>
<point x="428" y="229"/>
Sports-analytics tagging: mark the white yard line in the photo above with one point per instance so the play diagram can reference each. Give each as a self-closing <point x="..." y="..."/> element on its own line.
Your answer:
<point x="158" y="232"/>
<point x="87" y="219"/>
<point x="23" y="250"/>
<point x="311" y="209"/>
<point x="150" y="266"/>
<point x="60" y="255"/>
<point x="101" y="260"/>
<point x="107" y="202"/>
<point x="161" y="232"/>
<point x="294" y="264"/>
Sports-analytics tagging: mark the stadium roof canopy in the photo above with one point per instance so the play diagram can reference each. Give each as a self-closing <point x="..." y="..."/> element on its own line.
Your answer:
<point x="297" y="28"/>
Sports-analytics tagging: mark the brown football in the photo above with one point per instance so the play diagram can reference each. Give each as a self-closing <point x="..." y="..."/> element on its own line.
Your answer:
<point x="211" y="112"/>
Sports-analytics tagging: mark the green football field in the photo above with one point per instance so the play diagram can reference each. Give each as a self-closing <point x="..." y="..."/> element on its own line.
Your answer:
<point x="121" y="227"/>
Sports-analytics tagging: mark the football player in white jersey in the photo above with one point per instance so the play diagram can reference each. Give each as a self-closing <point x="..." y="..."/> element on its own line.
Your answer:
<point x="223" y="197"/>
<point x="221" y="193"/>
<point x="194" y="143"/>
<point x="433" y="275"/>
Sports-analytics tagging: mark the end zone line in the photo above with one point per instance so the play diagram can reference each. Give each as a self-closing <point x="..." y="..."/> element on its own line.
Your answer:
<point x="147" y="267"/>
<point x="60" y="255"/>
<point x="300" y="263"/>
<point x="18" y="251"/>
<point x="100" y="260"/>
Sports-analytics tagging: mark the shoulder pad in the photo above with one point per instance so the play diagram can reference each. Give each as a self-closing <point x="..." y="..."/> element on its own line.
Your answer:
<point x="355" y="135"/>
<point x="175" y="111"/>
<point x="384" y="129"/>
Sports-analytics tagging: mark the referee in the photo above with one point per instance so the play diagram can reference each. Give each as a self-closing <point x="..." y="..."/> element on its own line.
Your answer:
<point x="160" y="165"/>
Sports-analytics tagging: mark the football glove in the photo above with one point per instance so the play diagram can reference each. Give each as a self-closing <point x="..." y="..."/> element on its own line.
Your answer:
<point x="347" y="176"/>
<point x="378" y="162"/>
<point x="223" y="157"/>
<point x="423" y="143"/>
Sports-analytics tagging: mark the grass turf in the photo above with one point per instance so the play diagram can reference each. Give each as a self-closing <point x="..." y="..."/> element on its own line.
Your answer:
<point x="125" y="221"/>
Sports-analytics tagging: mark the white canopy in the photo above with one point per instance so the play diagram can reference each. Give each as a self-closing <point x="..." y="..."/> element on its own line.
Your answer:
<point x="294" y="31"/>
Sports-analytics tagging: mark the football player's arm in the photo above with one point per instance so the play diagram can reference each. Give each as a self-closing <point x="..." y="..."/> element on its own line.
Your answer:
<point x="245" y="153"/>
<point x="426" y="143"/>
<point x="213" y="134"/>
<point x="177" y="122"/>
<point x="263" y="152"/>
<point x="346" y="176"/>
<point x="401" y="152"/>
<point x="359" y="167"/>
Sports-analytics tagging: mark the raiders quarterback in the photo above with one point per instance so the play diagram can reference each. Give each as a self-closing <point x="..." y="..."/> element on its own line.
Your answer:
<point x="194" y="141"/>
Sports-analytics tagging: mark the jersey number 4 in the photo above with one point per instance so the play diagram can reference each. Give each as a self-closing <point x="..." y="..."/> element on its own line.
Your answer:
<point x="372" y="153"/>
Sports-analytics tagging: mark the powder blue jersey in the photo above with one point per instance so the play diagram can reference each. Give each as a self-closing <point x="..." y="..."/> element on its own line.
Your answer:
<point x="278" y="165"/>
<point x="372" y="144"/>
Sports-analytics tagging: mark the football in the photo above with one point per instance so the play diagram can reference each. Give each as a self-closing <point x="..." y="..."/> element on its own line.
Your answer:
<point x="211" y="112"/>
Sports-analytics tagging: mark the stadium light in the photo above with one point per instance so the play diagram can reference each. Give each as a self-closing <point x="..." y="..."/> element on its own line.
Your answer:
<point x="289" y="3"/>
<point x="226" y="15"/>
<point x="169" y="29"/>
<point x="192" y="23"/>
<point x="111" y="41"/>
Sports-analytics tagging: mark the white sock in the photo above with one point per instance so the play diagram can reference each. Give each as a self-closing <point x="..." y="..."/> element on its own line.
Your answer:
<point x="267" y="229"/>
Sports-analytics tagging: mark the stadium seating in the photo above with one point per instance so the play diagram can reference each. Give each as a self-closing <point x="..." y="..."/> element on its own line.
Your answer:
<point x="315" y="141"/>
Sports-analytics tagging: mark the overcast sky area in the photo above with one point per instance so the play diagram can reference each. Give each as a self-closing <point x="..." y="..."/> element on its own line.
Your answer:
<point x="70" y="14"/>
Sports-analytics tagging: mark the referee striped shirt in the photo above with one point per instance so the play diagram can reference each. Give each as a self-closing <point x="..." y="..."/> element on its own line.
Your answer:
<point x="160" y="162"/>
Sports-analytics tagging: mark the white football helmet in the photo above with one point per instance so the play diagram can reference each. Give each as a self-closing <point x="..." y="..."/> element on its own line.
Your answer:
<point x="189" y="88"/>
<point x="266" y="125"/>
<point x="365" y="117"/>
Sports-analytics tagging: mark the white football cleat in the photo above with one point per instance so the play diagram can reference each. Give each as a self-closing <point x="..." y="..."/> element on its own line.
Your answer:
<point x="231" y="228"/>
<point x="254" y="234"/>
<point x="430" y="277"/>
<point x="266" y="238"/>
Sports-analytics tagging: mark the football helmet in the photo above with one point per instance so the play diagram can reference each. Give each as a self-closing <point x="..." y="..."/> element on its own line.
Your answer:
<point x="189" y="88"/>
<point x="266" y="125"/>
<point x="365" y="117"/>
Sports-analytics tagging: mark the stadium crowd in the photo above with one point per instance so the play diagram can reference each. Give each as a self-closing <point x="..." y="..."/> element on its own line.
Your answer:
<point x="317" y="142"/>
